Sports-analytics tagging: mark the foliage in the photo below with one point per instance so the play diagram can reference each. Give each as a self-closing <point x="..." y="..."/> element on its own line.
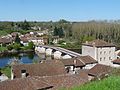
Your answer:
<point x="17" y="39"/>
<point x="110" y="83"/>
<point x="6" y="70"/>
<point x="10" y="47"/>
<point x="25" y="25"/>
<point x="2" y="48"/>
<point x="61" y="41"/>
<point x="58" y="32"/>
<point x="71" y="46"/>
<point x="31" y="45"/>
<point x="16" y="46"/>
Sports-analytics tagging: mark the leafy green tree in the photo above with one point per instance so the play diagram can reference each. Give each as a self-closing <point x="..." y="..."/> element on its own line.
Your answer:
<point x="25" y="25"/>
<point x="17" y="39"/>
<point x="58" y="32"/>
<point x="16" y="46"/>
<point x="31" y="45"/>
<point x="10" y="47"/>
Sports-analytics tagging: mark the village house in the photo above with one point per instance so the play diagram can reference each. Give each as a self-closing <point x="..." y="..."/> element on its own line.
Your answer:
<point x="24" y="84"/>
<point x="116" y="63"/>
<point x="5" y="40"/>
<point x="88" y="61"/>
<point x="55" y="39"/>
<point x="39" y="40"/>
<point x="24" y="40"/>
<point x="117" y="53"/>
<point x="100" y="50"/>
<point x="42" y="69"/>
<point x="74" y="64"/>
<point x="45" y="83"/>
<point x="3" y="77"/>
<point x="99" y="71"/>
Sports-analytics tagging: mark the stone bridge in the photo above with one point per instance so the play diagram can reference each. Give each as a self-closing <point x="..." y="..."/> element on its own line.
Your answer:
<point x="57" y="52"/>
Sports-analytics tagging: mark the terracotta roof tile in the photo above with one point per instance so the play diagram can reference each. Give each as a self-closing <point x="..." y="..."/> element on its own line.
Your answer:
<point x="24" y="84"/>
<point x="116" y="61"/>
<point x="87" y="59"/>
<point x="99" y="43"/>
<point x="99" y="70"/>
<point x="72" y="61"/>
<point x="42" y="69"/>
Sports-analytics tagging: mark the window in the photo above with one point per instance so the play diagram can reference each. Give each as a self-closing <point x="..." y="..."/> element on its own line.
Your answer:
<point x="100" y="59"/>
<point x="104" y="58"/>
<point x="109" y="52"/>
<point x="104" y="52"/>
<point x="100" y="52"/>
<point x="109" y="58"/>
<point x="23" y="71"/>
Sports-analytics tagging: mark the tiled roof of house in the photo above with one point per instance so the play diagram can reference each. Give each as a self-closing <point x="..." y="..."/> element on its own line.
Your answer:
<point x="118" y="54"/>
<point x="99" y="70"/>
<point x="24" y="39"/>
<point x="66" y="81"/>
<point x="116" y="61"/>
<point x="99" y="43"/>
<point x="87" y="59"/>
<point x="38" y="83"/>
<point x="72" y="61"/>
<point x="42" y="69"/>
<point x="24" y="84"/>
<point x="5" y="40"/>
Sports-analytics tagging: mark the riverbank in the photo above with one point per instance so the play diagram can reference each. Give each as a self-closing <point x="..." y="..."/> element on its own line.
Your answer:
<point x="12" y="52"/>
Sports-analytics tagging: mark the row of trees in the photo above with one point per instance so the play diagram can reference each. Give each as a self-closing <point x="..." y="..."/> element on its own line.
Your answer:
<point x="109" y="32"/>
<point x="80" y="31"/>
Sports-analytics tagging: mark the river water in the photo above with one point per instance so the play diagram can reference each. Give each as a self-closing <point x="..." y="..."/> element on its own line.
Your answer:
<point x="26" y="58"/>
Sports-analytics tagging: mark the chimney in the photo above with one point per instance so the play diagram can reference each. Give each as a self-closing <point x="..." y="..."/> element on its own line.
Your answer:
<point x="75" y="61"/>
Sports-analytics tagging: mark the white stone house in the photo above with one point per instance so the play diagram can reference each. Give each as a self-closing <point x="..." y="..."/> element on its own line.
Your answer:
<point x="100" y="50"/>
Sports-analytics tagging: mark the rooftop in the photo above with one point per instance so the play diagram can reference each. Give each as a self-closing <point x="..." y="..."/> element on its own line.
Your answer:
<point x="116" y="61"/>
<point x="42" y="69"/>
<point x="45" y="82"/>
<point x="98" y="43"/>
<point x="99" y="70"/>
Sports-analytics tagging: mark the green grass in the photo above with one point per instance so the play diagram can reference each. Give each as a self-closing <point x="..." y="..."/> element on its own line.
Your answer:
<point x="6" y="70"/>
<point x="110" y="83"/>
<point x="3" y="48"/>
<point x="3" y="32"/>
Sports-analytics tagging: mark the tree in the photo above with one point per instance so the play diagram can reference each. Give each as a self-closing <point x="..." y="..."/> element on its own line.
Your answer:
<point x="58" y="32"/>
<point x="31" y="45"/>
<point x="17" y="39"/>
<point x="25" y="25"/>
<point x="16" y="46"/>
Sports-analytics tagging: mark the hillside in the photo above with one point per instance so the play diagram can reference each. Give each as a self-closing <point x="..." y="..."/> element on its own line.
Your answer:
<point x="110" y="83"/>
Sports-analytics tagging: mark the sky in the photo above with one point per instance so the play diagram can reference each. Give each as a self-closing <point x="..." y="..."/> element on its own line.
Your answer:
<point x="47" y="10"/>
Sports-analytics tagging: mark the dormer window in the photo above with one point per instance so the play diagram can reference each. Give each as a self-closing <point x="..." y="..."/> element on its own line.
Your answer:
<point x="23" y="73"/>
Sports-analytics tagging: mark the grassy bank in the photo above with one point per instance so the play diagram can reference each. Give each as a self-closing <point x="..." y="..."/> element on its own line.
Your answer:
<point x="6" y="70"/>
<point x="110" y="83"/>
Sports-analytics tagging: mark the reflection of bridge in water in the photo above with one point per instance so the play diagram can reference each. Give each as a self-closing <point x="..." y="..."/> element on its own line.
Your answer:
<point x="57" y="52"/>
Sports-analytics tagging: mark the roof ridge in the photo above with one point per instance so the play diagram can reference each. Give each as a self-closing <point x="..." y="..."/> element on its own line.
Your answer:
<point x="81" y="60"/>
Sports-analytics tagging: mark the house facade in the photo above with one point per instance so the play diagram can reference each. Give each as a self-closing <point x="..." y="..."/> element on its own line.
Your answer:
<point x="100" y="50"/>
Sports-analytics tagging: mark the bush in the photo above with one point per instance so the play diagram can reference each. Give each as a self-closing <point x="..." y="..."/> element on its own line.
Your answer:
<point x="10" y="47"/>
<point x="31" y="45"/>
<point x="16" y="46"/>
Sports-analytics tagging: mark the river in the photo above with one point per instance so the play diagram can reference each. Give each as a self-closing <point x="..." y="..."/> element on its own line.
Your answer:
<point x="26" y="58"/>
